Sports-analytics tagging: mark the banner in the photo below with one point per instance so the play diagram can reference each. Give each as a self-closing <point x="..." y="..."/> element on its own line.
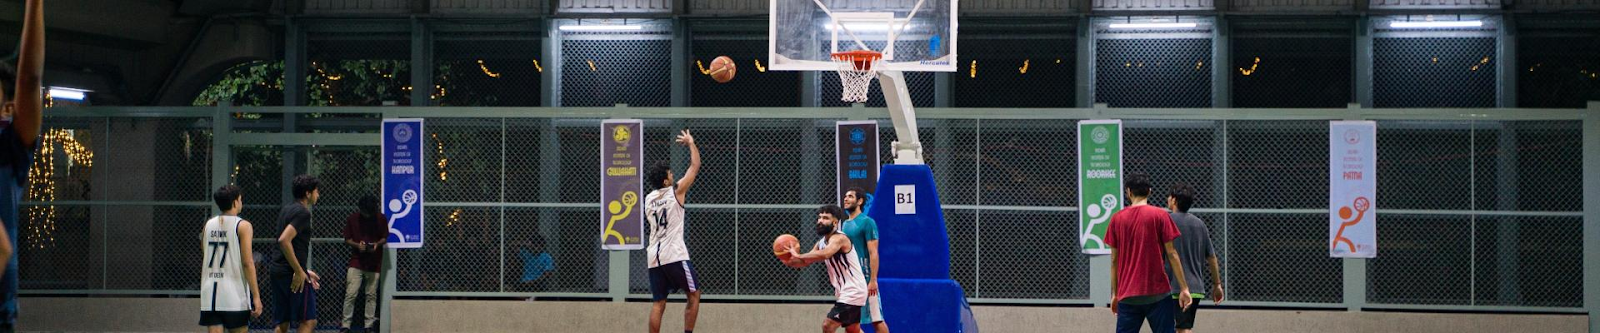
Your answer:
<point x="856" y="149"/>
<point x="1352" y="185"/>
<point x="1099" y="181"/>
<point x="621" y="184"/>
<point x="402" y="181"/>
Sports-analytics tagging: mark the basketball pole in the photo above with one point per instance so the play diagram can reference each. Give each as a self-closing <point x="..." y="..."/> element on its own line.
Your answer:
<point x="907" y="148"/>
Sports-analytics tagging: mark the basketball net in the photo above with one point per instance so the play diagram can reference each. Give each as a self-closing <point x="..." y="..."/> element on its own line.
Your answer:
<point x="856" y="73"/>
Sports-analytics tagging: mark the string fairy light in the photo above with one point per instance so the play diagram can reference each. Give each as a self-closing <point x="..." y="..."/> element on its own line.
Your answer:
<point x="759" y="67"/>
<point x="485" y="69"/>
<point x="703" y="70"/>
<point x="1252" y="69"/>
<point x="444" y="162"/>
<point x="40" y="232"/>
<point x="454" y="218"/>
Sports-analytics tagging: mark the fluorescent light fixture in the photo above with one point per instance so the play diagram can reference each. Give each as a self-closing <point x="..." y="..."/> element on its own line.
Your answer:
<point x="1176" y="25"/>
<point x="1437" y="24"/>
<point x="68" y="93"/>
<point x="601" y="27"/>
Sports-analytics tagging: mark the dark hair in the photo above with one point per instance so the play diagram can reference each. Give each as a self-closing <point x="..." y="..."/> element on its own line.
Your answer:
<point x="225" y="197"/>
<point x="860" y="193"/>
<point x="8" y="79"/>
<point x="368" y="205"/>
<point x="1137" y="183"/>
<point x="657" y="174"/>
<point x="1183" y="195"/>
<point x="303" y="185"/>
<point x="835" y="210"/>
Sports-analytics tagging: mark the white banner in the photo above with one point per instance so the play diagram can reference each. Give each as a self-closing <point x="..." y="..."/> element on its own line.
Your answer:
<point x="1352" y="189"/>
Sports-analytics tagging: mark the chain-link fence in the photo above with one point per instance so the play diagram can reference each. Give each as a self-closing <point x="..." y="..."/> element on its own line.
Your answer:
<point x="745" y="43"/>
<point x="1476" y="213"/>
<point x="488" y="65"/>
<point x="606" y="69"/>
<point x="1153" y="72"/>
<point x="1556" y="67"/>
<point x="1292" y="65"/>
<point x="1015" y="64"/>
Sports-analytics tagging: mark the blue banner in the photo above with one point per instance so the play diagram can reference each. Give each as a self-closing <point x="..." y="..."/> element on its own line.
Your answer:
<point x="402" y="181"/>
<point x="856" y="149"/>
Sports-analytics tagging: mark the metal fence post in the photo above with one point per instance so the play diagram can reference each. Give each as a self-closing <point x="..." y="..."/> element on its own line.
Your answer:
<point x="1085" y="70"/>
<point x="1099" y="265"/>
<point x="551" y="80"/>
<point x="421" y="63"/>
<point x="1355" y="269"/>
<point x="387" y="282"/>
<point x="294" y="64"/>
<point x="618" y="270"/>
<point x="1221" y="64"/>
<point x="1506" y="62"/>
<point x="1591" y="214"/>
<point x="221" y="148"/>
<point x="680" y="56"/>
<point x="1363" y="62"/>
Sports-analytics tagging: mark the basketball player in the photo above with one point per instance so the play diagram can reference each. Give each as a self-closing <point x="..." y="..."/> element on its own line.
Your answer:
<point x="294" y="284"/>
<point x="863" y="233"/>
<point x="1140" y="237"/>
<point x="19" y="132"/>
<point x="667" y="255"/>
<point x="1194" y="249"/>
<point x="229" y="295"/>
<point x="844" y="270"/>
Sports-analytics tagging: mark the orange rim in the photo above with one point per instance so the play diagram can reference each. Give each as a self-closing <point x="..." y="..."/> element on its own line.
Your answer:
<point x="861" y="58"/>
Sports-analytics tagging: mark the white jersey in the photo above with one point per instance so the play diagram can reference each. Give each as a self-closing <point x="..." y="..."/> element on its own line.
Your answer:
<point x="844" y="272"/>
<point x="665" y="216"/>
<point x="222" y="282"/>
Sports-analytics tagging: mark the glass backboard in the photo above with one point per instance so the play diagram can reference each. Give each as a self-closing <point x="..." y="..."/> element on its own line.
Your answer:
<point x="913" y="35"/>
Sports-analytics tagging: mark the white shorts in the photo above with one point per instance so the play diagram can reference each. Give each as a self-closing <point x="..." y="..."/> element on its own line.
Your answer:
<point x="873" y="312"/>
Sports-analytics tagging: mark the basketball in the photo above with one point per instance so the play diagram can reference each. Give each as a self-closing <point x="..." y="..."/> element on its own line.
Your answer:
<point x="722" y="69"/>
<point x="780" y="246"/>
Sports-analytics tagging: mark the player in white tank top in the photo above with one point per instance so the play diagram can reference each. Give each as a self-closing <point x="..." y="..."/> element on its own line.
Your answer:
<point x="666" y="255"/>
<point x="844" y="270"/>
<point x="229" y="293"/>
<point x="222" y="283"/>
<point x="664" y="214"/>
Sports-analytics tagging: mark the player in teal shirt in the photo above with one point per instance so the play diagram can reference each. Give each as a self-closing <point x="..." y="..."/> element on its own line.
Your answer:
<point x="863" y="233"/>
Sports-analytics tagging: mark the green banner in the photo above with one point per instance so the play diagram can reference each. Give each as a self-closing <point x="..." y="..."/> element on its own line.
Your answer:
<point x="1099" y="181"/>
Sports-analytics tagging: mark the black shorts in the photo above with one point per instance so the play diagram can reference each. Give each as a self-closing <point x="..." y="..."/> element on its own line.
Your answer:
<point x="845" y="314"/>
<point x="670" y="278"/>
<point x="1186" y="318"/>
<point x="292" y="307"/>
<point x="226" y="319"/>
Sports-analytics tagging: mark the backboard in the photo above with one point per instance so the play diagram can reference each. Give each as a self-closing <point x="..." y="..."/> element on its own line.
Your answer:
<point x="803" y="34"/>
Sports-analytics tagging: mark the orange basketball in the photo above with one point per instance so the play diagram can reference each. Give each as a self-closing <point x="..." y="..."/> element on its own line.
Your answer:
<point x="780" y="246"/>
<point x="722" y="69"/>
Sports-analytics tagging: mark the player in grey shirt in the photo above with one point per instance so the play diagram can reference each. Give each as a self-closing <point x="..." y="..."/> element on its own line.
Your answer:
<point x="1194" y="249"/>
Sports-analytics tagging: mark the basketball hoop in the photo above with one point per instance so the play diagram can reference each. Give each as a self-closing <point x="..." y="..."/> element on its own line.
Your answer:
<point x="856" y="73"/>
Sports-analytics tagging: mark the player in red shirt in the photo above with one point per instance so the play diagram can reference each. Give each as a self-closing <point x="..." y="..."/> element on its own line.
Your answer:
<point x="1140" y="236"/>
